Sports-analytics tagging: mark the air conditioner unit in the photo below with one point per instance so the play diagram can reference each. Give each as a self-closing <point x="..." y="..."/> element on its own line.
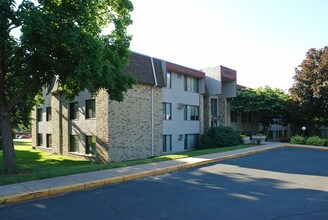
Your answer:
<point x="180" y="137"/>
<point x="180" y="105"/>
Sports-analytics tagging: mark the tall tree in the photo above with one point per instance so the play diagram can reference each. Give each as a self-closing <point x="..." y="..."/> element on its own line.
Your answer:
<point x="310" y="89"/>
<point x="265" y="104"/>
<point x="62" y="39"/>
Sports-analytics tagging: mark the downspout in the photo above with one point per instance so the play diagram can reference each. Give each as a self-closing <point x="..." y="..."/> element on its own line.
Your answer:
<point x="152" y="107"/>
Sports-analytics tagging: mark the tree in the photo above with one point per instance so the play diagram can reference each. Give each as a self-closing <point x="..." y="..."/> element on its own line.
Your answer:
<point x="310" y="90"/>
<point x="265" y="105"/>
<point x="62" y="39"/>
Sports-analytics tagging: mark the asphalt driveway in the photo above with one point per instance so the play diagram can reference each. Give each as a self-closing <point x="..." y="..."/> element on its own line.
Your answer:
<point x="285" y="183"/>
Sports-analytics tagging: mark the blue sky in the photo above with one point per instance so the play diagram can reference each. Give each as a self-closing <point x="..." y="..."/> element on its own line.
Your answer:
<point x="263" y="40"/>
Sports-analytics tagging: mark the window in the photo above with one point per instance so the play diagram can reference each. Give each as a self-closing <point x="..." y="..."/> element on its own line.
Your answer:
<point x="90" y="108"/>
<point x="90" y="145"/>
<point x="191" y="84"/>
<point x="191" y="113"/>
<point x="167" y="143"/>
<point x="191" y="141"/>
<point x="73" y="110"/>
<point x="39" y="114"/>
<point x="49" y="141"/>
<point x="39" y="141"/>
<point x="48" y="111"/>
<point x="233" y="116"/>
<point x="214" y="107"/>
<point x="168" y="80"/>
<point x="167" y="111"/>
<point x="73" y="143"/>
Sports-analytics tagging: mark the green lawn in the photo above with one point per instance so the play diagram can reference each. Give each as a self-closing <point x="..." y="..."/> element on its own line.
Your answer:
<point x="34" y="164"/>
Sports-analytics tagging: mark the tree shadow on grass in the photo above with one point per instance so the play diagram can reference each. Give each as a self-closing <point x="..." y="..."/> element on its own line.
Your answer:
<point x="34" y="164"/>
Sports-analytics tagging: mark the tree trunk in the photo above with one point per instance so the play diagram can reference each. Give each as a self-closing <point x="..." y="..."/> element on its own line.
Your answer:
<point x="8" y="145"/>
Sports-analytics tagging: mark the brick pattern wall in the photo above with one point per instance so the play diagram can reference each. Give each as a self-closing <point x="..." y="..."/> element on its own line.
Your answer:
<point x="207" y="109"/>
<point x="55" y="109"/>
<point x="201" y="113"/>
<point x="102" y="102"/>
<point x="224" y="112"/>
<point x="130" y="124"/>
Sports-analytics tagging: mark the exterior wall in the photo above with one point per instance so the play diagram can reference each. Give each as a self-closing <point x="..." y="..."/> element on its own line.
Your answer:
<point x="224" y="112"/>
<point x="102" y="125"/>
<point x="130" y="129"/>
<point x="243" y="128"/>
<point x="207" y="113"/>
<point x="81" y="126"/>
<point x="97" y="126"/>
<point x="44" y="127"/>
<point x="56" y="135"/>
<point x="177" y="125"/>
<point x="276" y="132"/>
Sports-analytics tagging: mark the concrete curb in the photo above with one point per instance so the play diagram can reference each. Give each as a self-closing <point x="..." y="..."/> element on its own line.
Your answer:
<point x="19" y="197"/>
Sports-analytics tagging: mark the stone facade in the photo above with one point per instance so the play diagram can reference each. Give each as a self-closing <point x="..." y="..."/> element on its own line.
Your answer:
<point x="130" y="130"/>
<point x="201" y="114"/>
<point x="224" y="112"/>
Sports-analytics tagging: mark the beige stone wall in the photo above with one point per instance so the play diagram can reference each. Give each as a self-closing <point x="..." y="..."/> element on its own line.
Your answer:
<point x="102" y="101"/>
<point x="207" y="109"/>
<point x="130" y="124"/>
<point x="56" y="136"/>
<point x="201" y="113"/>
<point x="224" y="112"/>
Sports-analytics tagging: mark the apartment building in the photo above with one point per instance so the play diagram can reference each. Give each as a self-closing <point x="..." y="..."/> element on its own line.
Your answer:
<point x="164" y="112"/>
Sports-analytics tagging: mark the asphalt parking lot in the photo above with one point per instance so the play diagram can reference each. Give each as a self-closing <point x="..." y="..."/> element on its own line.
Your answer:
<point x="284" y="183"/>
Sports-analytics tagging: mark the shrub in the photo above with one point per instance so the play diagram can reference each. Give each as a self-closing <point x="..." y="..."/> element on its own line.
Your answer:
<point x="316" y="141"/>
<point x="297" y="139"/>
<point x="219" y="137"/>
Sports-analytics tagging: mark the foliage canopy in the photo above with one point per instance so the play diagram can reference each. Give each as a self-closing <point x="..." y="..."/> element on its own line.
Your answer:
<point x="310" y="90"/>
<point x="62" y="39"/>
<point x="265" y="104"/>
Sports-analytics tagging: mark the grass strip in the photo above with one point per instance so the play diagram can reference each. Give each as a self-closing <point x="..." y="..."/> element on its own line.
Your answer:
<point x="34" y="164"/>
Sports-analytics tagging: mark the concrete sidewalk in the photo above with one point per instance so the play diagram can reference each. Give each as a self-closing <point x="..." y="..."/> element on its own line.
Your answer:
<point x="52" y="186"/>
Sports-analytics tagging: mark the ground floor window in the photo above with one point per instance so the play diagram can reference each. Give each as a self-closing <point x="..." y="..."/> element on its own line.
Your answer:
<point x="49" y="141"/>
<point x="167" y="142"/>
<point x="90" y="145"/>
<point x="191" y="141"/>
<point x="39" y="141"/>
<point x="73" y="143"/>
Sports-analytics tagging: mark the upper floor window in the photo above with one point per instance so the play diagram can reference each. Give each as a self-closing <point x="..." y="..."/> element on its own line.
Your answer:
<point x="191" y="113"/>
<point x="73" y="110"/>
<point x="167" y="111"/>
<point x="214" y="107"/>
<point x="90" y="108"/>
<point x="168" y="80"/>
<point x="39" y="114"/>
<point x="48" y="110"/>
<point x="191" y="84"/>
